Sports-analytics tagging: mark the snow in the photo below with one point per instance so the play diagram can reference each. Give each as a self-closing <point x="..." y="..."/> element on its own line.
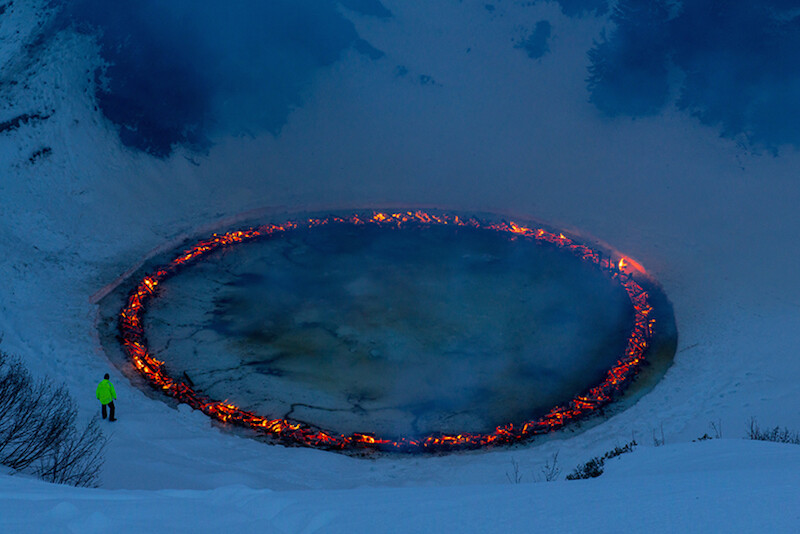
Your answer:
<point x="653" y="490"/>
<point x="714" y="222"/>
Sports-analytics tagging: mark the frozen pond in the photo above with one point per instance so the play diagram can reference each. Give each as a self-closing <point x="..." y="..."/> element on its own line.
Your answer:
<point x="393" y="331"/>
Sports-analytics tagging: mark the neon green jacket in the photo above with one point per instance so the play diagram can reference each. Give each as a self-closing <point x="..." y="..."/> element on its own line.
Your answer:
<point x="105" y="392"/>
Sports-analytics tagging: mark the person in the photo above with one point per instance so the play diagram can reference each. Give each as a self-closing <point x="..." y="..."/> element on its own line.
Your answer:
<point x="105" y="394"/>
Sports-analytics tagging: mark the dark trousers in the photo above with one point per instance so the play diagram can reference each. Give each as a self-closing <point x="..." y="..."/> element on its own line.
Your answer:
<point x="111" y="407"/>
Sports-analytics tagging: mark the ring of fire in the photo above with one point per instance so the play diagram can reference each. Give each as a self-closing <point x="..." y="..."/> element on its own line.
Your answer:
<point x="619" y="268"/>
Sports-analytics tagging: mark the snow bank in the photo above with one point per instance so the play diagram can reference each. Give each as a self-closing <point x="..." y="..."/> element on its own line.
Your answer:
<point x="717" y="486"/>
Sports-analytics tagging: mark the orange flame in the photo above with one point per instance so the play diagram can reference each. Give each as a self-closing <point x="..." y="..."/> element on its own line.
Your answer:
<point x="292" y="433"/>
<point x="629" y="265"/>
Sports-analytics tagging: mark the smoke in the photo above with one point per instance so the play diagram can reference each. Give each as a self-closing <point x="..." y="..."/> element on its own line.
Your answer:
<point x="183" y="72"/>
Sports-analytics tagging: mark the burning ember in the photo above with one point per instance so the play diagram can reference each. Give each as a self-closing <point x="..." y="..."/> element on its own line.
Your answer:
<point x="620" y="269"/>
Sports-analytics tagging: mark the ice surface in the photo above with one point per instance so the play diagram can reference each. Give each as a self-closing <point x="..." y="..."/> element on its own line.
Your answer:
<point x="396" y="332"/>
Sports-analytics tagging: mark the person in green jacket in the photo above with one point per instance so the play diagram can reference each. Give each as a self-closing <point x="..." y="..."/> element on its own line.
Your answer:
<point x="105" y="394"/>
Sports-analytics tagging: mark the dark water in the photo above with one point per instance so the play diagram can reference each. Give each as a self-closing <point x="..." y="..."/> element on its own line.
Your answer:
<point x="738" y="63"/>
<point x="181" y="71"/>
<point x="185" y="72"/>
<point x="395" y="332"/>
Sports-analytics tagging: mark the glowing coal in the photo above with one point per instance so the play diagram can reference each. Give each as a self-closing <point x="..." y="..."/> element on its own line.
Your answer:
<point x="620" y="270"/>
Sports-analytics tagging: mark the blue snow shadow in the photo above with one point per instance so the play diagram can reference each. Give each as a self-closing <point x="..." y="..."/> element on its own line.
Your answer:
<point x="739" y="60"/>
<point x="537" y="43"/>
<point x="579" y="8"/>
<point x="182" y="71"/>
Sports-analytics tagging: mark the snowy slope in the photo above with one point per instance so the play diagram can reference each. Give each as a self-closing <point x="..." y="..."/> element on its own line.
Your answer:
<point x="714" y="222"/>
<point x="718" y="486"/>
